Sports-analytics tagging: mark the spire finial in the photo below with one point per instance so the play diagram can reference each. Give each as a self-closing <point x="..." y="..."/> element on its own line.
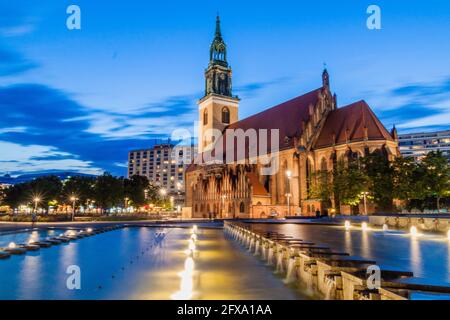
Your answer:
<point x="325" y="76"/>
<point x="218" y="33"/>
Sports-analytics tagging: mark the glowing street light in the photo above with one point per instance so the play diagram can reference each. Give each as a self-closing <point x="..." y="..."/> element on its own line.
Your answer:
<point x="74" y="200"/>
<point x="288" y="194"/>
<point x="365" y="194"/>
<point x="36" y="201"/>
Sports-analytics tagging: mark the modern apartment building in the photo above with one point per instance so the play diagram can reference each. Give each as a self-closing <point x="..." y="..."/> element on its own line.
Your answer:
<point x="164" y="166"/>
<point x="417" y="145"/>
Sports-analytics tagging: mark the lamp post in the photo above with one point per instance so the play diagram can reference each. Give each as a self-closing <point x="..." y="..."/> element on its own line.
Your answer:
<point x="36" y="200"/>
<point x="126" y="203"/>
<point x="74" y="200"/>
<point x="222" y="207"/>
<point x="288" y="194"/>
<point x="365" y="194"/>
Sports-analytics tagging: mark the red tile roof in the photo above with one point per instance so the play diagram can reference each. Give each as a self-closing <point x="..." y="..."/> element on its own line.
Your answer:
<point x="351" y="123"/>
<point x="287" y="117"/>
<point x="258" y="188"/>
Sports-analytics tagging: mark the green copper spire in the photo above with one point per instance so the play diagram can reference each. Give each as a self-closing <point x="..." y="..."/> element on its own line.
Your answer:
<point x="218" y="33"/>
<point x="218" y="51"/>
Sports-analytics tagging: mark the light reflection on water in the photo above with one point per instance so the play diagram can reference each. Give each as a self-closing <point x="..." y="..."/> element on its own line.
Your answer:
<point x="129" y="264"/>
<point x="427" y="256"/>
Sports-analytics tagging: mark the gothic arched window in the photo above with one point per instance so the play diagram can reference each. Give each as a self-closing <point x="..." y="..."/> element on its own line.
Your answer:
<point x="242" y="207"/>
<point x="225" y="115"/>
<point x="205" y="117"/>
<point x="323" y="165"/>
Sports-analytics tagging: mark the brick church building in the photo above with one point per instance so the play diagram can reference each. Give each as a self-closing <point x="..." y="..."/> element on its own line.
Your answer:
<point x="310" y="133"/>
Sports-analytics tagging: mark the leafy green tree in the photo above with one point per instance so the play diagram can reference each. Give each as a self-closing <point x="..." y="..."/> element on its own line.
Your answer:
<point x="409" y="182"/>
<point x="349" y="182"/>
<point x="16" y="195"/>
<point x="321" y="187"/>
<point x="437" y="176"/>
<point x="80" y="187"/>
<point x="108" y="191"/>
<point x="47" y="189"/>
<point x="136" y="190"/>
<point x="380" y="182"/>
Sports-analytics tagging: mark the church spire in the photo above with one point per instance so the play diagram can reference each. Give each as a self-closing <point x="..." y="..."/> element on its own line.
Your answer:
<point x="218" y="73"/>
<point x="218" y="33"/>
<point x="218" y="50"/>
<point x="325" y="77"/>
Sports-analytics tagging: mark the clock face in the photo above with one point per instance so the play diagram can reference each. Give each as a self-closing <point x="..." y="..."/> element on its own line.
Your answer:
<point x="222" y="76"/>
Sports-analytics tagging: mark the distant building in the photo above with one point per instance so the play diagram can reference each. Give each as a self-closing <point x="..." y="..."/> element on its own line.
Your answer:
<point x="164" y="165"/>
<point x="417" y="145"/>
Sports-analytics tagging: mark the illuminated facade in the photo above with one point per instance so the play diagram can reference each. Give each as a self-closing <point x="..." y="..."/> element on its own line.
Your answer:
<point x="313" y="134"/>
<point x="417" y="145"/>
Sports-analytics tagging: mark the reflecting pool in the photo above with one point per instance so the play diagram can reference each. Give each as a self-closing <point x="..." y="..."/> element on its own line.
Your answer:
<point x="143" y="263"/>
<point x="426" y="255"/>
<point x="26" y="236"/>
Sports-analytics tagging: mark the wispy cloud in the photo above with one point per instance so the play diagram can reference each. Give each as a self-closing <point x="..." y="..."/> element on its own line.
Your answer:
<point x="12" y="63"/>
<point x="416" y="105"/>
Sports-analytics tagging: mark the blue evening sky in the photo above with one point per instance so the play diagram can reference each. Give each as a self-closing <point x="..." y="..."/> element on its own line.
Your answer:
<point x="80" y="99"/>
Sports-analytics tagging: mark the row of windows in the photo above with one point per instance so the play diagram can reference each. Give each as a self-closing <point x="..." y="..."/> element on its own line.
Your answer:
<point x="225" y="116"/>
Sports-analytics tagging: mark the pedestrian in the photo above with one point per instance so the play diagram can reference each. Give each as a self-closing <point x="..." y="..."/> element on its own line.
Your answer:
<point x="33" y="219"/>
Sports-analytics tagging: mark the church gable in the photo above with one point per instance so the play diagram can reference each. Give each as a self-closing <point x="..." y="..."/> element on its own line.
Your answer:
<point x="352" y="123"/>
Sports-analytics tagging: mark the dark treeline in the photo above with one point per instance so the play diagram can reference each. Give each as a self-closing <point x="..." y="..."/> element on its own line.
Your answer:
<point x="103" y="192"/>
<point x="419" y="185"/>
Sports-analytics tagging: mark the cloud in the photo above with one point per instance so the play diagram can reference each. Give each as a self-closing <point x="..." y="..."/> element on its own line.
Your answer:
<point x="32" y="158"/>
<point x="417" y="105"/>
<point x="84" y="137"/>
<point x="12" y="63"/>
<point x="87" y="138"/>
<point x="251" y="90"/>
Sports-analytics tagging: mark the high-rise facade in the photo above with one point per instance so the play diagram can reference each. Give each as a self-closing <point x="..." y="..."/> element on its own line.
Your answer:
<point x="417" y="145"/>
<point x="163" y="165"/>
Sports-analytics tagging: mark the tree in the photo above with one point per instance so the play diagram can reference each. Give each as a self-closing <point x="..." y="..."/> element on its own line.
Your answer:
<point x="108" y="191"/>
<point x="47" y="189"/>
<point x="321" y="186"/>
<point x="349" y="182"/>
<point x="409" y="182"/>
<point x="80" y="187"/>
<point x="437" y="176"/>
<point x="136" y="190"/>
<point x="15" y="195"/>
<point x="379" y="174"/>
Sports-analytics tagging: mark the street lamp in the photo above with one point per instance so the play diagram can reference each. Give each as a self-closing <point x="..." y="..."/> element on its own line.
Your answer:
<point x="74" y="200"/>
<point x="365" y="194"/>
<point x="288" y="194"/>
<point x="126" y="203"/>
<point x="223" y="212"/>
<point x="36" y="200"/>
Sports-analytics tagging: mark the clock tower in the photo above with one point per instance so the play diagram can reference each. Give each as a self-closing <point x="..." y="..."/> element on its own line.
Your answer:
<point x="218" y="108"/>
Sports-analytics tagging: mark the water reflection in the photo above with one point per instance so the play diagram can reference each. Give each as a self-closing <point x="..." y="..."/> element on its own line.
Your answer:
<point x="187" y="281"/>
<point x="428" y="256"/>
<point x="416" y="257"/>
<point x="365" y="243"/>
